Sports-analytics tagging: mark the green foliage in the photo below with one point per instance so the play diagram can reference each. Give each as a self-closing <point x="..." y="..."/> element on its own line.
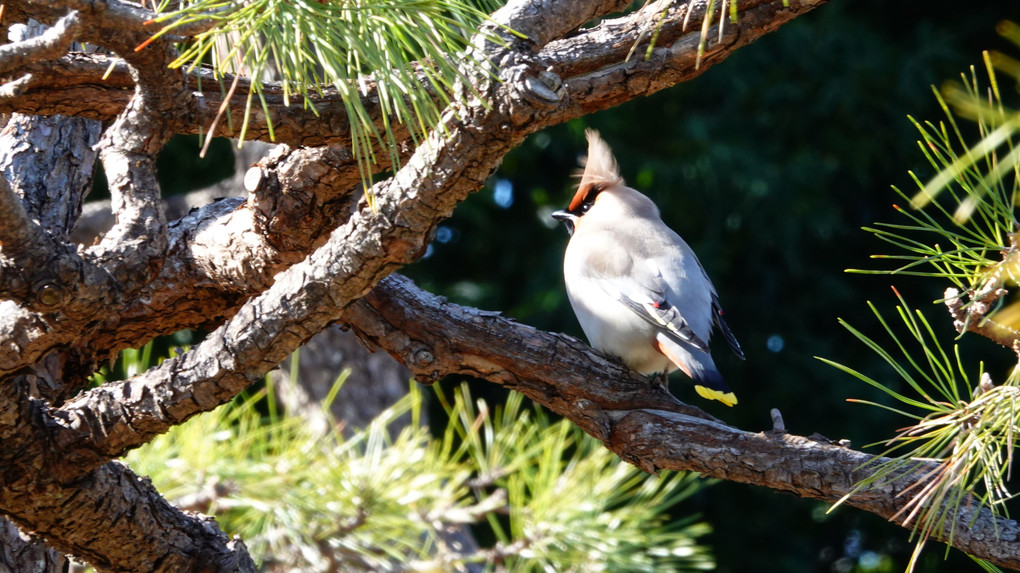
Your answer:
<point x="573" y="504"/>
<point x="382" y="501"/>
<point x="957" y="452"/>
<point x="409" y="50"/>
<point x="973" y="177"/>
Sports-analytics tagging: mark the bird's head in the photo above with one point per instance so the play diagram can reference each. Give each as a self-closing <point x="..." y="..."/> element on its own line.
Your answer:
<point x="600" y="173"/>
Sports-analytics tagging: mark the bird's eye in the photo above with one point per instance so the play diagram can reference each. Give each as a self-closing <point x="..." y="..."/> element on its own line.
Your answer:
<point x="589" y="199"/>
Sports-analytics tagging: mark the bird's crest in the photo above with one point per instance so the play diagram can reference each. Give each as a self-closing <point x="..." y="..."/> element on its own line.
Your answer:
<point x="600" y="170"/>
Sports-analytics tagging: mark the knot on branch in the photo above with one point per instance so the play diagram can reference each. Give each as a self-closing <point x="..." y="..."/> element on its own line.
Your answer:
<point x="423" y="357"/>
<point x="423" y="363"/>
<point x="974" y="315"/>
<point x="538" y="86"/>
<point x="48" y="295"/>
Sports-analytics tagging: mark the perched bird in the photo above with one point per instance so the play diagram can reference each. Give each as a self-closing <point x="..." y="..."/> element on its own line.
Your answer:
<point x="636" y="287"/>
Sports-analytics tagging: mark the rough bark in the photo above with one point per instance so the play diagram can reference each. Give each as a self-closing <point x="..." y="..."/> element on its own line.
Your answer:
<point x="22" y="553"/>
<point x="60" y="150"/>
<point x="639" y="420"/>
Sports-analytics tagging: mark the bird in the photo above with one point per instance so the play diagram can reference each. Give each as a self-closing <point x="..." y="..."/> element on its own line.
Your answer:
<point x="637" y="289"/>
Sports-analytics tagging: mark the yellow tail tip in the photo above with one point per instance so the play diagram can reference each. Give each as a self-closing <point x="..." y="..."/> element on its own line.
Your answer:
<point x="728" y="398"/>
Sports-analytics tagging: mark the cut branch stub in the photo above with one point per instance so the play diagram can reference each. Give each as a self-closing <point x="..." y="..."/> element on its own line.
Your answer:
<point x="977" y="315"/>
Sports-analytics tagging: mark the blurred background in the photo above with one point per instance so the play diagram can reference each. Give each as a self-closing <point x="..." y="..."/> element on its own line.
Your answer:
<point x="768" y="165"/>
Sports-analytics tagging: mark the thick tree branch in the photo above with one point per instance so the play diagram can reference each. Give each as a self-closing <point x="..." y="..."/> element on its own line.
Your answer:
<point x="98" y="515"/>
<point x="33" y="264"/>
<point x="49" y="162"/>
<point x="18" y="234"/>
<point x="18" y="549"/>
<point x="593" y="64"/>
<point x="108" y="508"/>
<point x="636" y="418"/>
<point x="133" y="250"/>
<point x="556" y="19"/>
<point x="552" y="369"/>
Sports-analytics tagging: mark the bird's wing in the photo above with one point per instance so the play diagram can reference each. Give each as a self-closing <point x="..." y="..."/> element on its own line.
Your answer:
<point x="717" y="317"/>
<point x="642" y="288"/>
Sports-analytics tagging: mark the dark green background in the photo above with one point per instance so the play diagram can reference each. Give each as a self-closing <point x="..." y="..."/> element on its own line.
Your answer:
<point x="768" y="164"/>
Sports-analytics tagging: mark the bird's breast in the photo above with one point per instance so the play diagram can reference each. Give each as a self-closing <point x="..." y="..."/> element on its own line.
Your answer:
<point x="614" y="328"/>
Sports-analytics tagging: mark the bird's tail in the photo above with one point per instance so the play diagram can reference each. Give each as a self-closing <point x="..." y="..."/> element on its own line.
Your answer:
<point x="697" y="364"/>
<point x="712" y="387"/>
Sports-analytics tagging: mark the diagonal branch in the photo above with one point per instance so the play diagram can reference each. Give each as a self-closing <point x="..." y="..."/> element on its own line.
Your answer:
<point x="114" y="504"/>
<point x="27" y="554"/>
<point x="636" y="419"/>
<point x="48" y="46"/>
<point x="18" y="234"/>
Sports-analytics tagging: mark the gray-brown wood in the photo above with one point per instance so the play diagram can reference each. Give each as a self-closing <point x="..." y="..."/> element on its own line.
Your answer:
<point x="635" y="417"/>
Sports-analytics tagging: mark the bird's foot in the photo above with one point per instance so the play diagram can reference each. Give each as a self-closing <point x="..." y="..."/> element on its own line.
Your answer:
<point x="662" y="378"/>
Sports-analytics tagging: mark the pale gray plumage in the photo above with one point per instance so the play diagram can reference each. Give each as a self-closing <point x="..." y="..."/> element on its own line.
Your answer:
<point x="636" y="287"/>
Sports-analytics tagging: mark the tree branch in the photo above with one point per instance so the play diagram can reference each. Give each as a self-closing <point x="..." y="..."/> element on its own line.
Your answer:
<point x="25" y="554"/>
<point x="592" y="64"/>
<point x="637" y="419"/>
<point x="48" y="46"/>
<point x="113" y="505"/>
<point x="32" y="263"/>
<point x="18" y="234"/>
<point x="47" y="162"/>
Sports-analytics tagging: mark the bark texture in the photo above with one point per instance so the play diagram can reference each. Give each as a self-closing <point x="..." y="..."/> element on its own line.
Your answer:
<point x="298" y="252"/>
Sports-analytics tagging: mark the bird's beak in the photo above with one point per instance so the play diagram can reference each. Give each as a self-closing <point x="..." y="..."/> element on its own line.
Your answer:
<point x="567" y="218"/>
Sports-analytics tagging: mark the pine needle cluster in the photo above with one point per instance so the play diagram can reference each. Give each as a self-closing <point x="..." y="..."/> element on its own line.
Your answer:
<point x="548" y="496"/>
<point x="961" y="228"/>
